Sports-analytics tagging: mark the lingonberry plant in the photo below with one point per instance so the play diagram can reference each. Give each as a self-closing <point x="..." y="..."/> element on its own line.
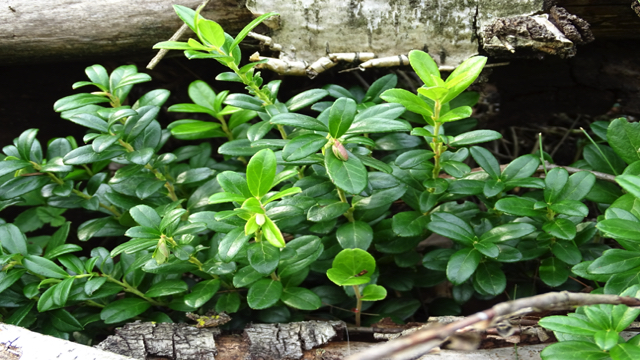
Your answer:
<point x="300" y="214"/>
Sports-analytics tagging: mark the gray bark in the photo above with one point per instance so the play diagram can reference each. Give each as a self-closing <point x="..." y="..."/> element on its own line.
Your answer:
<point x="54" y="30"/>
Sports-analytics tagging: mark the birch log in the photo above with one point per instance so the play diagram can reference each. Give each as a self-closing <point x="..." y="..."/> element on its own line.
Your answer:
<point x="58" y="30"/>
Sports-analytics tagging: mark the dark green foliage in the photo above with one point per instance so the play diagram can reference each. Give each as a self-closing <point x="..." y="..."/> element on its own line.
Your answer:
<point x="305" y="213"/>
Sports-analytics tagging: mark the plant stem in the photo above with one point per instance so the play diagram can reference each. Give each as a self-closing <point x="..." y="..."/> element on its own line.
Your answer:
<point x="131" y="289"/>
<point x="349" y="213"/>
<point x="436" y="145"/>
<point x="356" y="290"/>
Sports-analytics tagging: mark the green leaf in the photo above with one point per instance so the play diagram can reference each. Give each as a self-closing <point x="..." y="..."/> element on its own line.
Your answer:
<point x="615" y="261"/>
<point x="263" y="257"/>
<point x="246" y="276"/>
<point x="409" y="223"/>
<point x="570" y="207"/>
<point x="261" y="172"/>
<point x="425" y="67"/>
<point x="573" y="350"/>
<point x="301" y="298"/>
<point x="625" y="351"/>
<point x="195" y="130"/>
<point x="475" y="137"/>
<point x="350" y="175"/>
<point x="45" y="267"/>
<point x="61" y="250"/>
<point x="630" y="183"/>
<point x="9" y="166"/>
<point x="272" y="233"/>
<point x="264" y="294"/>
<point x="13" y="240"/>
<point x="78" y="100"/>
<point x="409" y="100"/>
<point x="624" y="138"/>
<point x="9" y="278"/>
<point x="283" y="193"/>
<point x="232" y="243"/>
<point x="487" y="249"/>
<point x="21" y="185"/>
<point x="620" y="228"/>
<point x="578" y="186"/>
<point x="373" y="293"/>
<point x="224" y="197"/>
<point x="569" y="325"/>
<point x="61" y="292"/>
<point x="560" y="228"/>
<point x="458" y="113"/>
<point x="243" y="33"/>
<point x="518" y="206"/>
<point x="228" y="303"/>
<point x="490" y="278"/>
<point x="202" y="292"/>
<point x="341" y="116"/>
<point x="352" y="267"/>
<point x="63" y="320"/>
<point x="465" y="74"/>
<point x="46" y="299"/>
<point x="507" y="232"/>
<point x="413" y="158"/>
<point x="453" y="227"/>
<point x="462" y="265"/>
<point x="145" y="216"/>
<point x="520" y="168"/>
<point x="486" y="160"/>
<point x="305" y="99"/>
<point x="134" y="245"/>
<point x="124" y="309"/>
<point x="379" y="86"/>
<point x="299" y="121"/>
<point x="378" y="125"/>
<point x="567" y="251"/>
<point x="555" y="181"/>
<point x="210" y="32"/>
<point x="303" y="146"/>
<point x="357" y="234"/>
<point x="90" y="121"/>
<point x="553" y="272"/>
<point x="244" y="101"/>
<point x="94" y="284"/>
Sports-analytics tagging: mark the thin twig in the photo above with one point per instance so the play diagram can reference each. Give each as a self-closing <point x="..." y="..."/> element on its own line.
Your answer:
<point x="565" y="136"/>
<point x="156" y="59"/>
<point x="422" y="341"/>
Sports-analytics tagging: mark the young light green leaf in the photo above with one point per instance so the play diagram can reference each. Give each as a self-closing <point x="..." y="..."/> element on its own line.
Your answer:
<point x="352" y="267"/>
<point x="424" y="66"/>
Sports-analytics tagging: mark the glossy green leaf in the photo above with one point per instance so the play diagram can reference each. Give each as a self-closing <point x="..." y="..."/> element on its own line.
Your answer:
<point x="124" y="309"/>
<point x="453" y="227"/>
<point x="263" y="257"/>
<point x="409" y="100"/>
<point x="570" y="207"/>
<point x="409" y="223"/>
<point x="301" y="298"/>
<point x="560" y="228"/>
<point x="508" y="232"/>
<point x="232" y="243"/>
<point x="424" y="66"/>
<point x="63" y="320"/>
<point x="518" y="206"/>
<point x="555" y="181"/>
<point x="202" y="292"/>
<point x="350" y="175"/>
<point x="573" y="350"/>
<point x="305" y="99"/>
<point x="568" y="324"/>
<point x="620" y="228"/>
<point x="302" y="146"/>
<point x="578" y="186"/>
<point x="567" y="251"/>
<point x="264" y="294"/>
<point x="357" y="234"/>
<point x="61" y="292"/>
<point x="625" y="352"/>
<point x="299" y="121"/>
<point x="146" y="216"/>
<point x="553" y="272"/>
<point x="261" y="172"/>
<point x="475" y="137"/>
<point x="615" y="261"/>
<point x="244" y="101"/>
<point x="13" y="240"/>
<point x="486" y="160"/>
<point x="490" y="278"/>
<point x="9" y="278"/>
<point x="630" y="183"/>
<point x="462" y="265"/>
<point x="45" y="267"/>
<point x="341" y="116"/>
<point x="373" y="293"/>
<point x="352" y="267"/>
<point x="520" y="168"/>
<point x="624" y="138"/>
<point x="272" y="233"/>
<point x="463" y="76"/>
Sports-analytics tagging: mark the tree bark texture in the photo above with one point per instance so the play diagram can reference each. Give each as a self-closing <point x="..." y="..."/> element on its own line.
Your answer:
<point x="58" y="30"/>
